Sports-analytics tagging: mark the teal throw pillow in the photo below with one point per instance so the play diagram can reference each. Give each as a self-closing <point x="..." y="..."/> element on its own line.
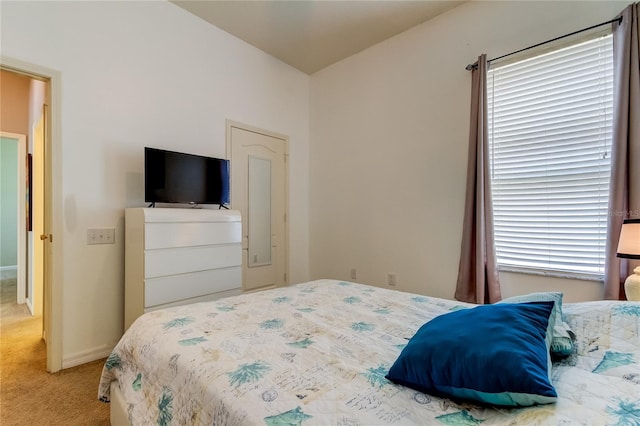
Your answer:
<point x="491" y="354"/>
<point x="562" y="336"/>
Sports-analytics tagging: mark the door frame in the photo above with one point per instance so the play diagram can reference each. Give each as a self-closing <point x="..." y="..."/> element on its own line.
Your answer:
<point x="53" y="261"/>
<point x="21" y="243"/>
<point x="235" y="124"/>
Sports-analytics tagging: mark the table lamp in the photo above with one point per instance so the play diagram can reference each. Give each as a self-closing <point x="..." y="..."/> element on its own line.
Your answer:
<point x="629" y="248"/>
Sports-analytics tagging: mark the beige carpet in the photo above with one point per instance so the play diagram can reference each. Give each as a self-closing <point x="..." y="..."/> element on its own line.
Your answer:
<point x="28" y="394"/>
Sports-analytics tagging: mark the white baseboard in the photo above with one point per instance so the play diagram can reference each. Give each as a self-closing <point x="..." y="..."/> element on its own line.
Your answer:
<point x="8" y="272"/>
<point x="29" y="306"/>
<point x="84" y="357"/>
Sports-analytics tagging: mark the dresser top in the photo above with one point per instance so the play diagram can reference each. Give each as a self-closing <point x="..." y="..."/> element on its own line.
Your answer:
<point x="157" y="215"/>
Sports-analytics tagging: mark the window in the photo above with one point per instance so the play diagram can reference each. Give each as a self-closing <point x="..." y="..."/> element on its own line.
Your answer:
<point x="549" y="143"/>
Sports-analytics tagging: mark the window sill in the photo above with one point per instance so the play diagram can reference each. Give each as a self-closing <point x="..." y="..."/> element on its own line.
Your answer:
<point x="552" y="273"/>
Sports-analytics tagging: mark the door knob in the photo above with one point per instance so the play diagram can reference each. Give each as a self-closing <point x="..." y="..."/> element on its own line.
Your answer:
<point x="45" y="237"/>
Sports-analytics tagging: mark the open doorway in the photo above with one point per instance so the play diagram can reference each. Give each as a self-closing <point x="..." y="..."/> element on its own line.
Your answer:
<point x="25" y="96"/>
<point x="23" y="100"/>
<point x="13" y="235"/>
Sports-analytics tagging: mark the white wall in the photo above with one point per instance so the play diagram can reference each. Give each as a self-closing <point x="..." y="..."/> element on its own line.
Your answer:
<point x="138" y="74"/>
<point x="389" y="138"/>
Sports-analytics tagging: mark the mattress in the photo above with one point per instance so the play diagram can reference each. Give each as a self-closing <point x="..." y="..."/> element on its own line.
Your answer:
<point x="318" y="352"/>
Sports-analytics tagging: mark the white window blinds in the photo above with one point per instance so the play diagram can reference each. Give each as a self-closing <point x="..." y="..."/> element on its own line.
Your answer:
<point x="550" y="141"/>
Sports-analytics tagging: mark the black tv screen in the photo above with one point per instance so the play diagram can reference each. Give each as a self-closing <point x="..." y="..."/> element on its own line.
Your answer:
<point x="176" y="177"/>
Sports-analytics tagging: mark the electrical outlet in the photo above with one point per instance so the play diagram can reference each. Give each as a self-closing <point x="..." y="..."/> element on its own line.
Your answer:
<point x="353" y="273"/>
<point x="101" y="236"/>
<point x="391" y="279"/>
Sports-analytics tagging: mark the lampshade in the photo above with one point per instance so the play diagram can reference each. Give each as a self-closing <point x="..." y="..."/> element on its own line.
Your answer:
<point x="629" y="243"/>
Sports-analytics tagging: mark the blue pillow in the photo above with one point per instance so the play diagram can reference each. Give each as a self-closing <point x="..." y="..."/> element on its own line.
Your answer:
<point x="562" y="336"/>
<point x="493" y="354"/>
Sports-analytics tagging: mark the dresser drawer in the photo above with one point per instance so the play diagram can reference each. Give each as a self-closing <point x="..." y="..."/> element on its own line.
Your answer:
<point x="174" y="288"/>
<point x="174" y="261"/>
<point x="168" y="235"/>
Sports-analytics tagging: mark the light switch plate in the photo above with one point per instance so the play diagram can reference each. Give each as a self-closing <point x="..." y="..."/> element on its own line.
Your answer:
<point x="101" y="236"/>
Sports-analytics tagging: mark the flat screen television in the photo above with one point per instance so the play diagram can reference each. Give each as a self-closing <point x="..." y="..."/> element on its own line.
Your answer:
<point x="176" y="177"/>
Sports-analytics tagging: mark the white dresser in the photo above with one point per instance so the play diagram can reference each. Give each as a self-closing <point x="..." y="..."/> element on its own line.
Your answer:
<point x="176" y="256"/>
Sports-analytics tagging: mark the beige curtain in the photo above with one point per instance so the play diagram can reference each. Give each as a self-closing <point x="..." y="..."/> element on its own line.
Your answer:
<point x="624" y="201"/>
<point x="477" y="273"/>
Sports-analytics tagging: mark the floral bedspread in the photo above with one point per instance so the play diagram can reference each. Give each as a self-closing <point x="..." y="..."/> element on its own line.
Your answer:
<point x="317" y="354"/>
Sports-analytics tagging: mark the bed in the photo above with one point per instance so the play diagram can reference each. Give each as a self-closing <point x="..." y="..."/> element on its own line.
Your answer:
<point x="318" y="353"/>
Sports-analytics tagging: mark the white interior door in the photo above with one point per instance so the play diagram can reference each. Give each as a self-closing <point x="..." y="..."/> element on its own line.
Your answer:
<point x="258" y="191"/>
<point x="37" y="262"/>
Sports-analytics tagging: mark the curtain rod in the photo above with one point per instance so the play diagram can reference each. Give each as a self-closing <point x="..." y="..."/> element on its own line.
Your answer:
<point x="475" y="64"/>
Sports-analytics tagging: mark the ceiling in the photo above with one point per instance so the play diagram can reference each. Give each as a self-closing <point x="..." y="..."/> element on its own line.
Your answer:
<point x="312" y="34"/>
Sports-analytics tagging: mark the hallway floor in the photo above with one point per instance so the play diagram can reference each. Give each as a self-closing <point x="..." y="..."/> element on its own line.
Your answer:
<point x="30" y="395"/>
